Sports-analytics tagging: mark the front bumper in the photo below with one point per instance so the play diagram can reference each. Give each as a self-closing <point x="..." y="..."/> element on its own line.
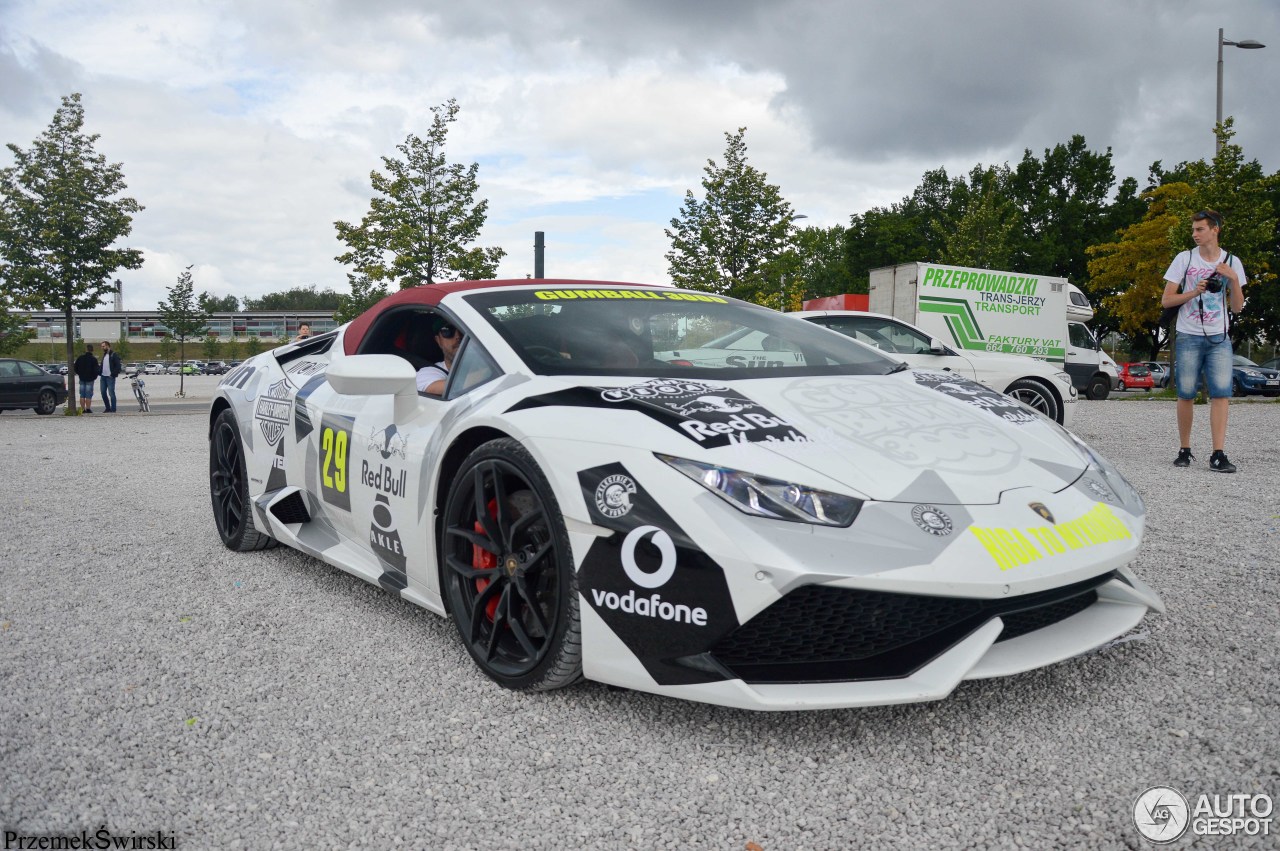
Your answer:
<point x="994" y="647"/>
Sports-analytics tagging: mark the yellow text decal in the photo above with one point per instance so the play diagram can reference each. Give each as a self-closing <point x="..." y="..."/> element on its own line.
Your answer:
<point x="1014" y="547"/>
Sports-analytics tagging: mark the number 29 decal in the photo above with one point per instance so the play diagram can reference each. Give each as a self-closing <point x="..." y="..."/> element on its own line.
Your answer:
<point x="335" y="443"/>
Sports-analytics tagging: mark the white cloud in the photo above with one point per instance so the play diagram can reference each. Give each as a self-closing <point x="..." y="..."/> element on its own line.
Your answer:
<point x="247" y="128"/>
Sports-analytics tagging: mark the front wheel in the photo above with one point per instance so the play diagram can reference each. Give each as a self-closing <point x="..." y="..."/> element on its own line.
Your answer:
<point x="507" y="571"/>
<point x="1099" y="388"/>
<point x="229" y="488"/>
<point x="46" y="402"/>
<point x="1035" y="395"/>
<point x="1237" y="389"/>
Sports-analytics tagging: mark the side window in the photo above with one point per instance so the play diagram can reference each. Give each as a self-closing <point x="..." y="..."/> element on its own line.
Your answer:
<point x="30" y="369"/>
<point x="854" y="327"/>
<point x="9" y="368"/>
<point x="906" y="340"/>
<point x="473" y="368"/>
<point x="1080" y="337"/>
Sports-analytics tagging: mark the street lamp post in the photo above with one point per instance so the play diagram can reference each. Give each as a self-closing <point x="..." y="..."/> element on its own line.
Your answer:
<point x="1247" y="44"/>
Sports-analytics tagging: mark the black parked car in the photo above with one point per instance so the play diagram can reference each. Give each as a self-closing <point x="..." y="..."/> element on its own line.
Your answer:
<point x="25" y="385"/>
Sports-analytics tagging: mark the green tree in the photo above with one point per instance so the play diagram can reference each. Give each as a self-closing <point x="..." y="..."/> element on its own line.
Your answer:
<point x="1065" y="206"/>
<point x="364" y="295"/>
<point x="13" y="331"/>
<point x="910" y="230"/>
<point x="122" y="347"/>
<point x="60" y="215"/>
<point x="725" y="243"/>
<point x="211" y="303"/>
<point x="1127" y="275"/>
<point x="166" y="348"/>
<point x="211" y="349"/>
<point x="298" y="298"/>
<point x="821" y="269"/>
<point x="985" y="233"/>
<point x="423" y="216"/>
<point x="183" y="317"/>
<point x="252" y="346"/>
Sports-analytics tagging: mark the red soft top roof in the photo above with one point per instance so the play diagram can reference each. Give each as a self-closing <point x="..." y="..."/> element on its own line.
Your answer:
<point x="431" y="294"/>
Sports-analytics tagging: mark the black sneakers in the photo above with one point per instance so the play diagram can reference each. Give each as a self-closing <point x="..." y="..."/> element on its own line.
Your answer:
<point x="1218" y="462"/>
<point x="1184" y="458"/>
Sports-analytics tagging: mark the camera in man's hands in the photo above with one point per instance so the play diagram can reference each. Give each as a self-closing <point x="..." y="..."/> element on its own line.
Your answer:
<point x="1213" y="283"/>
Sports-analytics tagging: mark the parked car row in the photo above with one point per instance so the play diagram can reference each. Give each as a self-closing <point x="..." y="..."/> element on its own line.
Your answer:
<point x="24" y="384"/>
<point x="132" y="370"/>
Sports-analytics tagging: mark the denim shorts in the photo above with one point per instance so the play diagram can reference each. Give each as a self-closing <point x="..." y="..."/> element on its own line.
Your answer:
<point x="1197" y="354"/>
<point x="86" y="389"/>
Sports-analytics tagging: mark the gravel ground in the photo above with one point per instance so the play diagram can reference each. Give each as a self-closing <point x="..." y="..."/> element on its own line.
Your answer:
<point x="153" y="680"/>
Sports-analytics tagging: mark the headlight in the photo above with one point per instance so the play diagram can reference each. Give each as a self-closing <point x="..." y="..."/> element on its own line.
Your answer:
<point x="1063" y="377"/>
<point x="772" y="498"/>
<point x="1252" y="373"/>
<point x="1127" y="492"/>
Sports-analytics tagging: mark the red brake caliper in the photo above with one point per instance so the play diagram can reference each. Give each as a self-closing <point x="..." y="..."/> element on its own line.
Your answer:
<point x="482" y="559"/>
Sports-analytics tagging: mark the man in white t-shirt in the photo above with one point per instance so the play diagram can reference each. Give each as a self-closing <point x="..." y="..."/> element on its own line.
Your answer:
<point x="1205" y="284"/>
<point x="431" y="379"/>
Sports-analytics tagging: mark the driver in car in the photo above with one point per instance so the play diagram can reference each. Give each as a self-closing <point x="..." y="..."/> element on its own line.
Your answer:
<point x="431" y="379"/>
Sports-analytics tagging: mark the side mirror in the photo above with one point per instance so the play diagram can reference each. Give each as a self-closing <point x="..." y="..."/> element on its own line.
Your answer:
<point x="936" y="347"/>
<point x="376" y="375"/>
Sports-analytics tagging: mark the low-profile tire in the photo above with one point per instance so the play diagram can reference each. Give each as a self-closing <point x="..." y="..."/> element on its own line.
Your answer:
<point x="507" y="572"/>
<point x="229" y="488"/>
<point x="1237" y="389"/>
<point x="46" y="402"/>
<point x="1035" y="395"/>
<point x="1099" y="388"/>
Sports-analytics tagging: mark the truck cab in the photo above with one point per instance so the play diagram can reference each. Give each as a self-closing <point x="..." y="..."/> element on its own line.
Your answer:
<point x="1085" y="362"/>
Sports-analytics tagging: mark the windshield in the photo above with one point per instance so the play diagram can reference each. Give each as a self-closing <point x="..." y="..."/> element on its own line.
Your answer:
<point x="666" y="332"/>
<point x="1241" y="360"/>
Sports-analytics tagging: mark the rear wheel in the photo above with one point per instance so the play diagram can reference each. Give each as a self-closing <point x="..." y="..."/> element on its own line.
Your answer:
<point x="1237" y="389"/>
<point x="507" y="571"/>
<point x="1035" y="395"/>
<point x="1099" y="388"/>
<point x="46" y="402"/>
<point x="229" y="488"/>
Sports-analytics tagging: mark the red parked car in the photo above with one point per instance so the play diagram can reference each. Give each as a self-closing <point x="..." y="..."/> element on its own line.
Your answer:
<point x="1135" y="376"/>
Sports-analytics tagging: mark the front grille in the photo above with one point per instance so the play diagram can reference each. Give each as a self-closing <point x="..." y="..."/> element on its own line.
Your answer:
<point x="1020" y="623"/>
<point x="818" y="633"/>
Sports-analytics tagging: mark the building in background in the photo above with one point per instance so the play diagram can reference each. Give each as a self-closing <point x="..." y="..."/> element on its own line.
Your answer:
<point x="144" y="326"/>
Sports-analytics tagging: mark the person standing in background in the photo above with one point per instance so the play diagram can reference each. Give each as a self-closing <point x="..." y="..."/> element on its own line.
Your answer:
<point x="109" y="370"/>
<point x="87" y="369"/>
<point x="1206" y="284"/>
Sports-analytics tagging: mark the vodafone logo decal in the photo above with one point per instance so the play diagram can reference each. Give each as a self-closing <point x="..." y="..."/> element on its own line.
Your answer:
<point x="666" y="547"/>
<point x="652" y="605"/>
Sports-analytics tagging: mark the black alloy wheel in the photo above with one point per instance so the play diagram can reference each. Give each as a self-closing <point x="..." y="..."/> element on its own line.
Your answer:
<point x="229" y="488"/>
<point x="507" y="571"/>
<point x="46" y="402"/>
<point x="1035" y="395"/>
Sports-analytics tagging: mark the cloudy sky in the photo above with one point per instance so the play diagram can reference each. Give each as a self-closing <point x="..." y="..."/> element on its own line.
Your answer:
<point x="247" y="127"/>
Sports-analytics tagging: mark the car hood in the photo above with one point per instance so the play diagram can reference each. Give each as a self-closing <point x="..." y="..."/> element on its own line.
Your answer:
<point x="913" y="436"/>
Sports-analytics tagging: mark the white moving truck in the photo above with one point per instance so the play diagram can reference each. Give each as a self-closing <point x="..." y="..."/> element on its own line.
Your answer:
<point x="984" y="310"/>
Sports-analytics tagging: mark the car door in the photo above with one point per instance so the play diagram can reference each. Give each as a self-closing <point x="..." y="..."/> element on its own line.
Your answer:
<point x="900" y="340"/>
<point x="376" y="467"/>
<point x="31" y="380"/>
<point x="1081" y="360"/>
<point x="10" y="382"/>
